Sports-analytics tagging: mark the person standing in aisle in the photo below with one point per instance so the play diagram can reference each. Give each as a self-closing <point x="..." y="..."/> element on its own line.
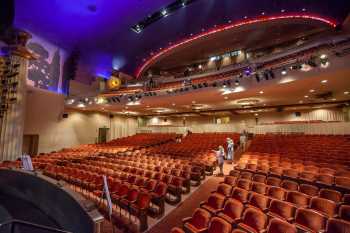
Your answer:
<point x="242" y="140"/>
<point x="220" y="155"/>
<point x="230" y="149"/>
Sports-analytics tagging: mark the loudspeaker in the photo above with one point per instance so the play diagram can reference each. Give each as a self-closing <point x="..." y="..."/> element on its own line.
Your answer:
<point x="297" y="114"/>
<point x="65" y="115"/>
<point x="7" y="14"/>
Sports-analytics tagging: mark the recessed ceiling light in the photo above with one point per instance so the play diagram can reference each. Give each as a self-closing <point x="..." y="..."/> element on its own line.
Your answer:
<point x="126" y="107"/>
<point x="300" y="102"/>
<point x="261" y="92"/>
<point x="284" y="72"/>
<point x="193" y="102"/>
<point x="303" y="9"/>
<point x="346" y="93"/>
<point x="81" y="105"/>
<point x="256" y="114"/>
<point x="245" y="17"/>
<point x="334" y="99"/>
<point x="173" y="104"/>
<point x="264" y="104"/>
<point x="324" y="81"/>
<point x="306" y="96"/>
<point x="283" y="10"/>
<point x="312" y="90"/>
<point x="225" y="97"/>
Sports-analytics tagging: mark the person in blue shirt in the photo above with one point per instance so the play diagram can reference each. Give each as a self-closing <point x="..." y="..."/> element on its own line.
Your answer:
<point x="220" y="156"/>
<point x="230" y="149"/>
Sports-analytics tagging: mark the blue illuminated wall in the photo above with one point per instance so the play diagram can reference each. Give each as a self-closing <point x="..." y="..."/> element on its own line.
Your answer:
<point x="46" y="72"/>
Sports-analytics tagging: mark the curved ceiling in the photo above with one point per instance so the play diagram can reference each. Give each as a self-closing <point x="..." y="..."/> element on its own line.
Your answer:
<point x="247" y="35"/>
<point x="100" y="29"/>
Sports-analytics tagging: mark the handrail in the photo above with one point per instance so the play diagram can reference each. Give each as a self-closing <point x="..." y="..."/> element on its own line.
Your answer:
<point x="33" y="225"/>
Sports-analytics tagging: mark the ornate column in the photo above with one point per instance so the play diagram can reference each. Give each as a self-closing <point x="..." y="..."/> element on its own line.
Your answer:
<point x="13" y="77"/>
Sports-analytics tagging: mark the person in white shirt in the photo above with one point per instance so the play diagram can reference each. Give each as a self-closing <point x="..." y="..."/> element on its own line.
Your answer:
<point x="220" y="155"/>
<point x="230" y="149"/>
<point x="242" y="140"/>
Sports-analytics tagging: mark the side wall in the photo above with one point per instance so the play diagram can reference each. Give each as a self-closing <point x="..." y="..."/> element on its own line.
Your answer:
<point x="44" y="118"/>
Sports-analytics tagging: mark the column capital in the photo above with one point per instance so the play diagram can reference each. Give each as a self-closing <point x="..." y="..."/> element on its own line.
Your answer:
<point x="17" y="45"/>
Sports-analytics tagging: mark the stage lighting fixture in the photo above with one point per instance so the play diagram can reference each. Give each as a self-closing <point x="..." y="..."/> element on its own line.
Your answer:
<point x="205" y="84"/>
<point x="237" y="82"/>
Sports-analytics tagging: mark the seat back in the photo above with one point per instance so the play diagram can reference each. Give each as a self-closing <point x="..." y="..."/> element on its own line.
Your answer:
<point x="279" y="226"/>
<point x="324" y="206"/>
<point x="344" y="212"/>
<point x="218" y="225"/>
<point x="224" y="189"/>
<point x="200" y="218"/>
<point x="233" y="208"/>
<point x="310" y="219"/>
<point x="297" y="198"/>
<point x="273" y="181"/>
<point x="259" y="201"/>
<point x="331" y="195"/>
<point x="255" y="219"/>
<point x="216" y="201"/>
<point x="290" y="185"/>
<point x="338" y="226"/>
<point x="258" y="187"/>
<point x="282" y="209"/>
<point x="276" y="192"/>
<point x="308" y="189"/>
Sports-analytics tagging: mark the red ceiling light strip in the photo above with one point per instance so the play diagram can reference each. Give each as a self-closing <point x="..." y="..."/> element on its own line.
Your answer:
<point x="330" y="22"/>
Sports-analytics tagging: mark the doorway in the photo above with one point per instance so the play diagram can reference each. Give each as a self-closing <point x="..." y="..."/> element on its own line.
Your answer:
<point x="30" y="144"/>
<point x="102" y="134"/>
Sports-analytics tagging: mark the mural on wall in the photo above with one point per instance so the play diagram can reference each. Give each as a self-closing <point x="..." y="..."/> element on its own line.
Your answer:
<point x="46" y="72"/>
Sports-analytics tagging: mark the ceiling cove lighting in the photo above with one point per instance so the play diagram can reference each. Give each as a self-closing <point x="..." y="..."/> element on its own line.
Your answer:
<point x="245" y="22"/>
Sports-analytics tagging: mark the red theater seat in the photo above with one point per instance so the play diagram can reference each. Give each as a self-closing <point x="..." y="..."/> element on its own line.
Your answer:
<point x="331" y="195"/>
<point x="324" y="206"/>
<point x="253" y="221"/>
<point x="308" y="189"/>
<point x="232" y="211"/>
<point x="298" y="199"/>
<point x="276" y="193"/>
<point x="344" y="212"/>
<point x="214" y="204"/>
<point x="198" y="222"/>
<point x="281" y="209"/>
<point x="310" y="221"/>
<point x="338" y="226"/>
<point x="218" y="225"/>
<point x="280" y="226"/>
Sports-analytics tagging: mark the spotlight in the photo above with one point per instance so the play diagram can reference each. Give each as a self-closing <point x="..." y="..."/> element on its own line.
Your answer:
<point x="237" y="82"/>
<point x="164" y="12"/>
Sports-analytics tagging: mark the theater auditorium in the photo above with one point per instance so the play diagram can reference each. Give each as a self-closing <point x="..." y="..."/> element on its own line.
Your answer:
<point x="174" y="116"/>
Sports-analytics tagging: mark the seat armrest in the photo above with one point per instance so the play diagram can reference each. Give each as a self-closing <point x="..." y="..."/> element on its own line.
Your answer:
<point x="202" y="203"/>
<point x="218" y="210"/>
<point x="203" y="230"/>
<point x="184" y="220"/>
